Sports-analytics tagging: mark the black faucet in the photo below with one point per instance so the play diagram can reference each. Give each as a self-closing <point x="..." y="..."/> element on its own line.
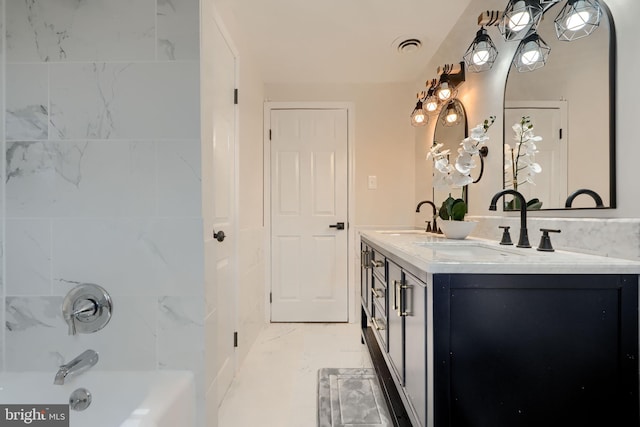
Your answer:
<point x="523" y="241"/>
<point x="430" y="228"/>
<point x="595" y="196"/>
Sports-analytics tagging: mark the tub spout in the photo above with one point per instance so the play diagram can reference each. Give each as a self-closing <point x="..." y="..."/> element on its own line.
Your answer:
<point x="77" y="366"/>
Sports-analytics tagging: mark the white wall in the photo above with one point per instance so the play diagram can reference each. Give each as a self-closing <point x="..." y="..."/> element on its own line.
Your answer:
<point x="482" y="95"/>
<point x="383" y="145"/>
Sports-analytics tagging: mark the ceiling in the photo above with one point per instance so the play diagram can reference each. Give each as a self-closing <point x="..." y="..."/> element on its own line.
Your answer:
<point x="343" y="41"/>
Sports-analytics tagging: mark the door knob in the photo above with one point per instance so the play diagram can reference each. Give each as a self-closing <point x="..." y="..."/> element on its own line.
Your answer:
<point x="219" y="236"/>
<point x="339" y="226"/>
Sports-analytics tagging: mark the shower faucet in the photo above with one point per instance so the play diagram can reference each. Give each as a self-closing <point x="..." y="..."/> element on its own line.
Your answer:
<point x="86" y="309"/>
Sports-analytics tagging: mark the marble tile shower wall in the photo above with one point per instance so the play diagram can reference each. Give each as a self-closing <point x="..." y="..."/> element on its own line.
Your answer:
<point x="2" y="174"/>
<point x="102" y="180"/>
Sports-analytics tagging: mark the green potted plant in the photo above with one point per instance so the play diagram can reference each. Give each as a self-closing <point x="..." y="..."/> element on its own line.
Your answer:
<point x="452" y="213"/>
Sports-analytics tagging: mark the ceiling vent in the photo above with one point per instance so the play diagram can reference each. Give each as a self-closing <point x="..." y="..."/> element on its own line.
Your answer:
<point x="409" y="45"/>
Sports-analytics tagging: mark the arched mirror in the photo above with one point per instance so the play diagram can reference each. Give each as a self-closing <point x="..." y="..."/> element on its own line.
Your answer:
<point x="571" y="104"/>
<point x="451" y="128"/>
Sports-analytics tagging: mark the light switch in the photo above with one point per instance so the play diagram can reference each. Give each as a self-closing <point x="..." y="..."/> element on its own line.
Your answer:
<point x="373" y="182"/>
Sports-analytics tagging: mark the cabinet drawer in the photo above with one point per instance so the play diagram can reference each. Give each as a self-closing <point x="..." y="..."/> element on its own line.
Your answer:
<point x="379" y="265"/>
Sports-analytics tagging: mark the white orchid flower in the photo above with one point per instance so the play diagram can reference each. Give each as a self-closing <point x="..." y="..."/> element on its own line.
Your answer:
<point x="535" y="168"/>
<point x="442" y="165"/>
<point x="460" y="179"/>
<point x="479" y="134"/>
<point x="464" y="163"/>
<point x="435" y="153"/>
<point x="440" y="181"/>
<point x="469" y="146"/>
<point x="446" y="174"/>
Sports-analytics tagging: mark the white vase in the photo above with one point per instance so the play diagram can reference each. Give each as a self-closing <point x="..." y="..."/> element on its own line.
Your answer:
<point x="457" y="229"/>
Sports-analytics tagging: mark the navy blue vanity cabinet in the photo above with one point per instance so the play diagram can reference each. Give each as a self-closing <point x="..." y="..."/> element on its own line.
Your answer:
<point x="505" y="350"/>
<point x="535" y="350"/>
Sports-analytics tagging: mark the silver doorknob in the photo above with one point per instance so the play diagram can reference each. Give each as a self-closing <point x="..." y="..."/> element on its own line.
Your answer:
<point x="219" y="236"/>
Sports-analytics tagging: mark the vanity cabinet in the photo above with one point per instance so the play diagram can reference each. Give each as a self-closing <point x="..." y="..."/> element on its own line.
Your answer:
<point x="532" y="350"/>
<point x="493" y="350"/>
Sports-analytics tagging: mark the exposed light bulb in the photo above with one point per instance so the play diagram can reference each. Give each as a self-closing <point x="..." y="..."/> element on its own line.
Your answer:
<point x="576" y="21"/>
<point x="432" y="105"/>
<point x="521" y="17"/>
<point x="452" y="116"/>
<point x="530" y="57"/>
<point x="444" y="92"/>
<point x="481" y="56"/>
<point x="418" y="116"/>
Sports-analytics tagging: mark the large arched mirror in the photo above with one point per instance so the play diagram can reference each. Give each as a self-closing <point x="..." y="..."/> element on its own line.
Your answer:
<point x="450" y="132"/>
<point x="571" y="105"/>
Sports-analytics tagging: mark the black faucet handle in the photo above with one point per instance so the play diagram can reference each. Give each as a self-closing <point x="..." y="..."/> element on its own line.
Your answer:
<point x="428" y="230"/>
<point x="545" y="240"/>
<point x="506" y="237"/>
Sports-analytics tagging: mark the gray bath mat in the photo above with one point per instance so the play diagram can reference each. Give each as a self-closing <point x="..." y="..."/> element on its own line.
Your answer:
<point x="350" y="397"/>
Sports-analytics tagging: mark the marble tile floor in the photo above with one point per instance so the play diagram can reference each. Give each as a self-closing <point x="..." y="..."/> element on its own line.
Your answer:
<point x="278" y="383"/>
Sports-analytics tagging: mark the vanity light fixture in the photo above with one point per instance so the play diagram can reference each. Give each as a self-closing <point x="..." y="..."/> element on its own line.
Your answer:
<point x="419" y="116"/>
<point x="519" y="17"/>
<point x="577" y="19"/>
<point x="519" y="21"/>
<point x="445" y="92"/>
<point x="439" y="92"/>
<point x="482" y="52"/>
<point x="532" y="53"/>
<point x="431" y="103"/>
<point x="453" y="114"/>
<point x="451" y="76"/>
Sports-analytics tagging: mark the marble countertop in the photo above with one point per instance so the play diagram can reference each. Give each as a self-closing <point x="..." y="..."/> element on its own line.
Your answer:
<point x="437" y="254"/>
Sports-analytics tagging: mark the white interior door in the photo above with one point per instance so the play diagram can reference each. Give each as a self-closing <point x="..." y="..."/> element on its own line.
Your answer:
<point x="224" y="206"/>
<point x="309" y="281"/>
<point x="548" y="118"/>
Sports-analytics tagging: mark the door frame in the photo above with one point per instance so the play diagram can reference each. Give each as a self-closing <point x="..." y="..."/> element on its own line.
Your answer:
<point x="266" y="206"/>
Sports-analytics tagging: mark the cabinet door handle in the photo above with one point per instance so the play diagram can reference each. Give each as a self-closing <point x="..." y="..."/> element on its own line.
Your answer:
<point x="376" y="263"/>
<point x="375" y="293"/>
<point x="396" y="299"/>
<point x="399" y="305"/>
<point x="376" y="325"/>
<point x="403" y="300"/>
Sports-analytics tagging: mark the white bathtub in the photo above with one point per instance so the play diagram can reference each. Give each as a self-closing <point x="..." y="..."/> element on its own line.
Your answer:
<point x="121" y="398"/>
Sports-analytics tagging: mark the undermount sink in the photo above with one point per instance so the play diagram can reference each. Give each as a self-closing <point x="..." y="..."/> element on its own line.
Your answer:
<point x="467" y="251"/>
